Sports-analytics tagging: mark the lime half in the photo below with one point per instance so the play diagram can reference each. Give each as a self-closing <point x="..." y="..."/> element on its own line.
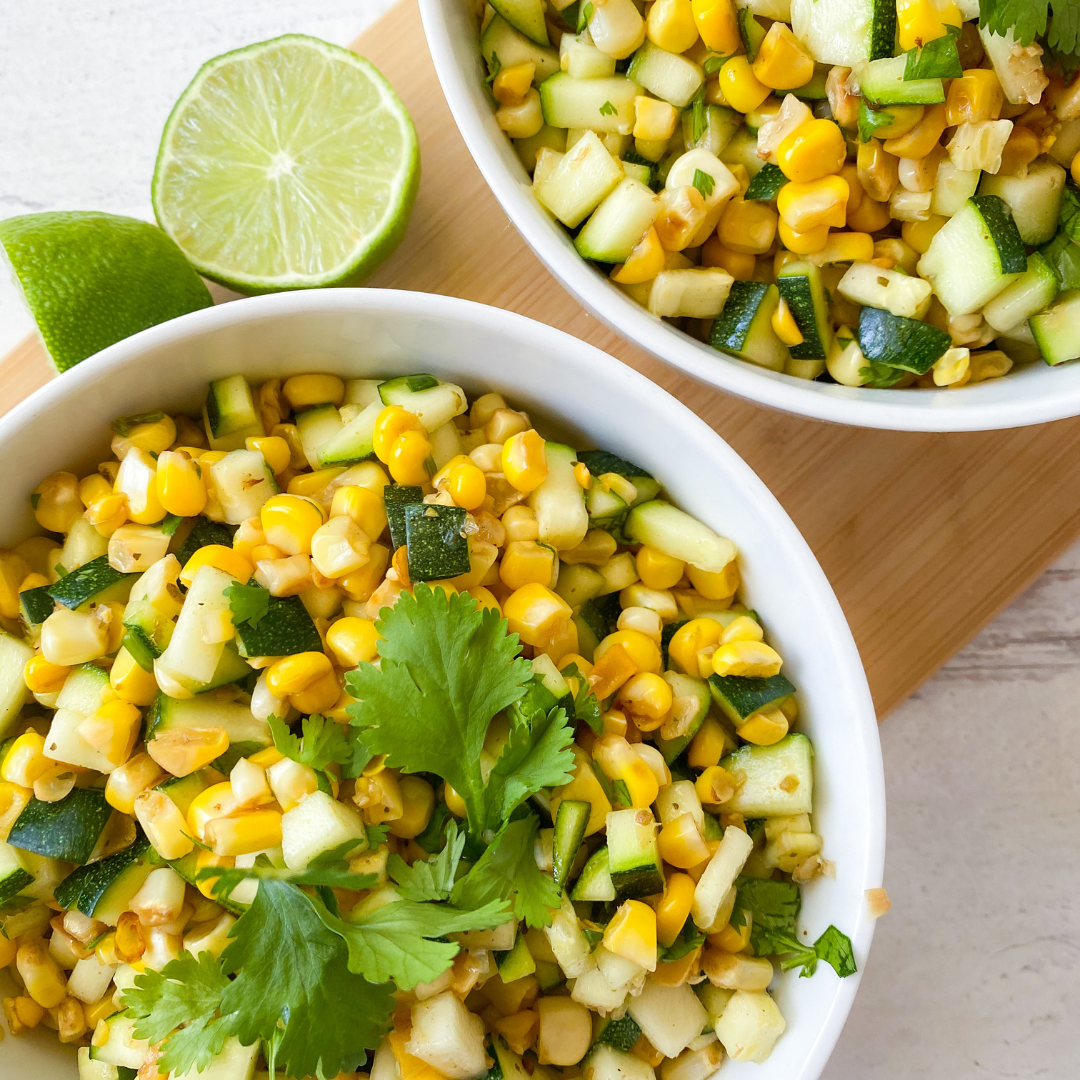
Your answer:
<point x="289" y="164"/>
<point x="92" y="279"/>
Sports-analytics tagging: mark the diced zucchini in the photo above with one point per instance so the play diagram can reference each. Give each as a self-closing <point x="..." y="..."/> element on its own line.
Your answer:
<point x="437" y="545"/>
<point x="778" y="779"/>
<point x="67" y="830"/>
<point x="317" y="427"/>
<point x="689" y="292"/>
<point x="633" y="857"/>
<point x="526" y="16"/>
<point x="620" y="1034"/>
<point x="433" y="403"/>
<point x="873" y="286"/>
<point x="882" y="82"/>
<point x="690" y="705"/>
<point x="239" y="484"/>
<point x="594" y="881"/>
<point x="1034" y="200"/>
<point x="720" y="127"/>
<point x="844" y="31"/>
<point x="668" y="76"/>
<point x="84" y="689"/>
<point x="742" y="150"/>
<point x="362" y="392"/>
<point x="559" y="502"/>
<point x="148" y="632"/>
<point x="598" y="105"/>
<point x="570" y="822"/>
<point x="184" y="790"/>
<point x="607" y="1063"/>
<point x="63" y="743"/>
<point x="740" y="696"/>
<point x="286" y="628"/>
<point x="188" y="658"/>
<point x="397" y="497"/>
<point x="974" y="256"/>
<point x="203" y="533"/>
<point x="230" y="413"/>
<point x="353" y="442"/>
<point x="243" y="729"/>
<point x="744" y="327"/>
<point x="751" y="32"/>
<point x="93" y="582"/>
<point x="670" y="1017"/>
<point x="581" y="59"/>
<point x="582" y="179"/>
<point x="1057" y="330"/>
<point x="767" y="184"/>
<point x="36" y="605"/>
<point x="517" y="963"/>
<point x="1029" y="294"/>
<point x="900" y="343"/>
<point x="94" y="1070"/>
<point x="16" y="874"/>
<point x="618" y="223"/>
<point x="801" y="286"/>
<point x="952" y="188"/>
<point x="120" y="1047"/>
<point x="512" y="47"/>
<point x="749" y="1026"/>
<point x="103" y="890"/>
<point x="445" y="444"/>
<point x="599" y="462"/>
<point x="13" y="693"/>
<point x="83" y="544"/>
<point x="317" y="825"/>
<point x="676" y="533"/>
<point x="719" y="877"/>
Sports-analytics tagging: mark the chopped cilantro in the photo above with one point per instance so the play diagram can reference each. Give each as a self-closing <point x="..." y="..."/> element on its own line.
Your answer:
<point x="585" y="13"/>
<point x="321" y="741"/>
<point x="700" y="117"/>
<point x="704" y="182"/>
<point x="937" y="59"/>
<point x="495" y="65"/>
<point x="248" y="603"/>
<point x="607" y="109"/>
<point x="880" y="376"/>
<point x="586" y="707"/>
<point x="713" y="63"/>
<point x="123" y="425"/>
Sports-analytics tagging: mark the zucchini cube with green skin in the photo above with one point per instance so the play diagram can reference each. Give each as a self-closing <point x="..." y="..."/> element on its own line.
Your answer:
<point x="845" y="31"/>
<point x="95" y="581"/>
<point x="594" y="881"/>
<point x="1032" y="292"/>
<point x="175" y="714"/>
<point x="517" y="963"/>
<point x="676" y="533"/>
<point x="355" y="440"/>
<point x="633" y="855"/>
<point x="527" y="16"/>
<point x="571" y="820"/>
<point x="1034" y="200"/>
<point x="744" y="328"/>
<point x="15" y="872"/>
<point x="230" y="414"/>
<point x="801" y="286"/>
<point x="203" y="533"/>
<point x="512" y="47"/>
<point x="120" y="1048"/>
<point x="103" y="890"/>
<point x="618" y="223"/>
<point x="286" y="628"/>
<point x="148" y="632"/>
<point x="397" y="497"/>
<point x="620" y="1034"/>
<point x="437" y="546"/>
<point x="974" y="256"/>
<point x="740" y="696"/>
<point x="778" y="780"/>
<point x="690" y="705"/>
<point x="13" y="692"/>
<point x="238" y="485"/>
<point x="670" y="1017"/>
<point x="720" y="127"/>
<point x="1057" y="330"/>
<point x="582" y="179"/>
<point x="901" y="343"/>
<point x="432" y="402"/>
<point x="68" y="830"/>
<point x="597" y="105"/>
<point x="669" y="76"/>
<point x="36" y="605"/>
<point x="882" y="82"/>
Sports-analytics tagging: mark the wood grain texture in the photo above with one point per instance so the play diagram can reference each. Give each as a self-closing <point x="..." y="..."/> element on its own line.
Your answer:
<point x="924" y="537"/>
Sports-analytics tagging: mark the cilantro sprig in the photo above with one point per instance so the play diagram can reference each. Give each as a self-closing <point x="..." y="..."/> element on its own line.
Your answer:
<point x="937" y="59"/>
<point x="322" y="742"/>
<point x="446" y="669"/>
<point x="1029" y="19"/>
<point x="248" y="603"/>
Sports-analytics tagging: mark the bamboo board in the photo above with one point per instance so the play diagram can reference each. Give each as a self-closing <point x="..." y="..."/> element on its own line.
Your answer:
<point x="924" y="537"/>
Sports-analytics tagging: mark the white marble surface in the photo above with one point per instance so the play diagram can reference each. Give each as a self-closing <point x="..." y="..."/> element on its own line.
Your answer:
<point x="976" y="970"/>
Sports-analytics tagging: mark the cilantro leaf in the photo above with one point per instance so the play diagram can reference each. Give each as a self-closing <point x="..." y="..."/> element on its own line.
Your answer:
<point x="700" y="117"/>
<point x="607" y="109"/>
<point x="835" y="949"/>
<point x="870" y="120"/>
<point x="187" y="991"/>
<point x="322" y="873"/>
<point x="880" y="376"/>
<point x="536" y="756"/>
<point x="1028" y="19"/>
<point x="1064" y="259"/>
<point x="713" y="63"/>
<point x="123" y="424"/>
<point x="248" y="603"/>
<point x="688" y="940"/>
<point x="431" y="880"/>
<point x="293" y="971"/>
<point x="496" y="67"/>
<point x="170" y="524"/>
<point x="446" y="669"/>
<point x="585" y="13"/>
<point x="586" y="707"/>
<point x="937" y="59"/>
<point x="322" y="741"/>
<point x="508" y="869"/>
<point x="392" y="942"/>
<point x="704" y="182"/>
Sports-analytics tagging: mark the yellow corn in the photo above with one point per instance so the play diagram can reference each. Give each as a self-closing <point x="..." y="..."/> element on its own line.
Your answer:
<point x="753" y="658"/>
<point x="595" y="550"/>
<point x="646" y="697"/>
<point x="418" y="803"/>
<point x="380" y="796"/>
<point x="392" y="422"/>
<point x="738" y="264"/>
<point x="92" y="488"/>
<point x="671" y="25"/>
<point x="814" y="149"/>
<point x="647" y="259"/>
<point x="353" y="641"/>
<point x="13" y="800"/>
<point x="180" y="488"/>
<point x="339" y="547"/>
<point x="303" y="391"/>
<point x="220" y="557"/>
<point x="454" y="802"/>
<point x="274" y="449"/>
<point x="974" y="98"/>
<point x="918" y="234"/>
<point x="764" y="728"/>
<point x="654" y="119"/>
<point x="98" y="1011"/>
<point x="674" y="908"/>
<point x="25" y="760"/>
<point x="534" y="613"/>
<point x="410" y="457"/>
<point x="952" y="367"/>
<point x="128" y="781"/>
<point x="216" y="801"/>
<point x="715" y="584"/>
<point x="244" y="833"/>
<point x="467" y="485"/>
<point x="42" y="677"/>
<point x="310" y="485"/>
<point x="130" y="683"/>
<point x="113" y="729"/>
<point x="784" y="325"/>
<point x="363" y="505"/>
<point x="296" y="673"/>
<point x="108" y="514"/>
<point x="642" y="650"/>
<point x="526" y="562"/>
<point x="732" y="939"/>
<point x="186" y="750"/>
<point x="619" y="761"/>
<point x="41" y="974"/>
<point x="290" y="521"/>
<point x="919" y="140"/>
<point x="782" y="63"/>
<point x="742" y="629"/>
<point x="920" y="21"/>
<point x="718" y="28"/>
<point x="820" y="202"/>
<point x="137" y="479"/>
<point x="803" y="243"/>
<point x="681" y="843"/>
<point x="56" y="502"/>
<point x="715" y="785"/>
<point x="632" y="934"/>
<point x="511" y="86"/>
<point x="740" y="87"/>
<point x="689" y="639"/>
<point x="360" y="584"/>
<point x="153" y="436"/>
<point x="524" y="460"/>
<point x="8" y="948"/>
<point x="870" y="217"/>
<point x="74" y="637"/>
<point x="1020" y="151"/>
<point x="747" y="227"/>
<point x="658" y="570"/>
<point x="13" y="573"/>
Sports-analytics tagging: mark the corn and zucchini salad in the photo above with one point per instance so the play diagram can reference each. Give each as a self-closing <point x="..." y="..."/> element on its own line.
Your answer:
<point x="360" y="720"/>
<point x="866" y="192"/>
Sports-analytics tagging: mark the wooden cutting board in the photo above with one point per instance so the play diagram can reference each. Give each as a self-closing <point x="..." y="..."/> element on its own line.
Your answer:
<point x="924" y="537"/>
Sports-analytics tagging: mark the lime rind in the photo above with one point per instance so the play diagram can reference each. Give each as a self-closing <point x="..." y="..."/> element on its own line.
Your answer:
<point x="287" y="164"/>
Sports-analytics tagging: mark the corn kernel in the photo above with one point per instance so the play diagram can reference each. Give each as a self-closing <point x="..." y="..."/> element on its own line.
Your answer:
<point x="654" y="119"/>
<point x="632" y="934"/>
<point x="681" y="843"/>
<point x="740" y="265"/>
<point x="524" y="460"/>
<point x="526" y="562"/>
<point x="658" y="570"/>
<point x="644" y="652"/>
<point x="975" y="98"/>
<point x="747" y="227"/>
<point x="113" y="729"/>
<point x="781" y="62"/>
<point x="130" y="682"/>
<point x="689" y="639"/>
<point x="304" y="391"/>
<point x="718" y="27"/>
<point x="750" y="658"/>
<point x="671" y="25"/>
<point x="814" y="149"/>
<point x="674" y="908"/>
<point x="511" y="85"/>
<point x="647" y="698"/>
<point x="275" y="450"/>
<point x="180" y="487"/>
<point x="742" y="629"/>
<point x="919" y="140"/>
<point x="715" y="785"/>
<point x="43" y="677"/>
<point x="293" y="674"/>
<point x="290" y="521"/>
<point x="137" y="479"/>
<point x="764" y="728"/>
<point x="56" y="502"/>
<point x="534" y="613"/>
<point x="418" y="803"/>
<point x="392" y="422"/>
<point x="313" y="485"/>
<point x="647" y="259"/>
<point x="353" y="641"/>
<point x="129" y="780"/>
<point x="183" y="751"/>
<point x="244" y="833"/>
<point x="222" y="558"/>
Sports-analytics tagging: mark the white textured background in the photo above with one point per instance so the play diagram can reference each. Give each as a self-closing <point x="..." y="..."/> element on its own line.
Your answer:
<point x="976" y="971"/>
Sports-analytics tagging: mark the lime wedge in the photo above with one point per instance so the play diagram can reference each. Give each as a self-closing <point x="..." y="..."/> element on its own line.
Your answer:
<point x="92" y="279"/>
<point x="288" y="164"/>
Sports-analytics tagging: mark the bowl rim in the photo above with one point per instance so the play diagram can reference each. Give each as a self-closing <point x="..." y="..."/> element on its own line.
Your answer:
<point x="790" y="545"/>
<point x="927" y="411"/>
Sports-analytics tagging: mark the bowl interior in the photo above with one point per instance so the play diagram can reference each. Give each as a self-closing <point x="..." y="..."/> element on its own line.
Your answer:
<point x="600" y="403"/>
<point x="1031" y="395"/>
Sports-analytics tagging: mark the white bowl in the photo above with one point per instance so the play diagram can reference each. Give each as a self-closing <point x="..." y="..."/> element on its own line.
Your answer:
<point x="1034" y="394"/>
<point x="600" y="402"/>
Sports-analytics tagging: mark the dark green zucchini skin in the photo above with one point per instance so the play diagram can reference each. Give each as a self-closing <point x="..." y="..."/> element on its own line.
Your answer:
<point x="83" y="889"/>
<point x="68" y="830"/>
<point x="397" y="497"/>
<point x="768" y="182"/>
<point x="436" y="544"/>
<point x="286" y="628"/>
<point x="899" y="342"/>
<point x="801" y="286"/>
<point x="203" y="533"/>
<point x="36" y="605"/>
<point x="1003" y="231"/>
<point x="741" y="696"/>
<point x="87" y="581"/>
